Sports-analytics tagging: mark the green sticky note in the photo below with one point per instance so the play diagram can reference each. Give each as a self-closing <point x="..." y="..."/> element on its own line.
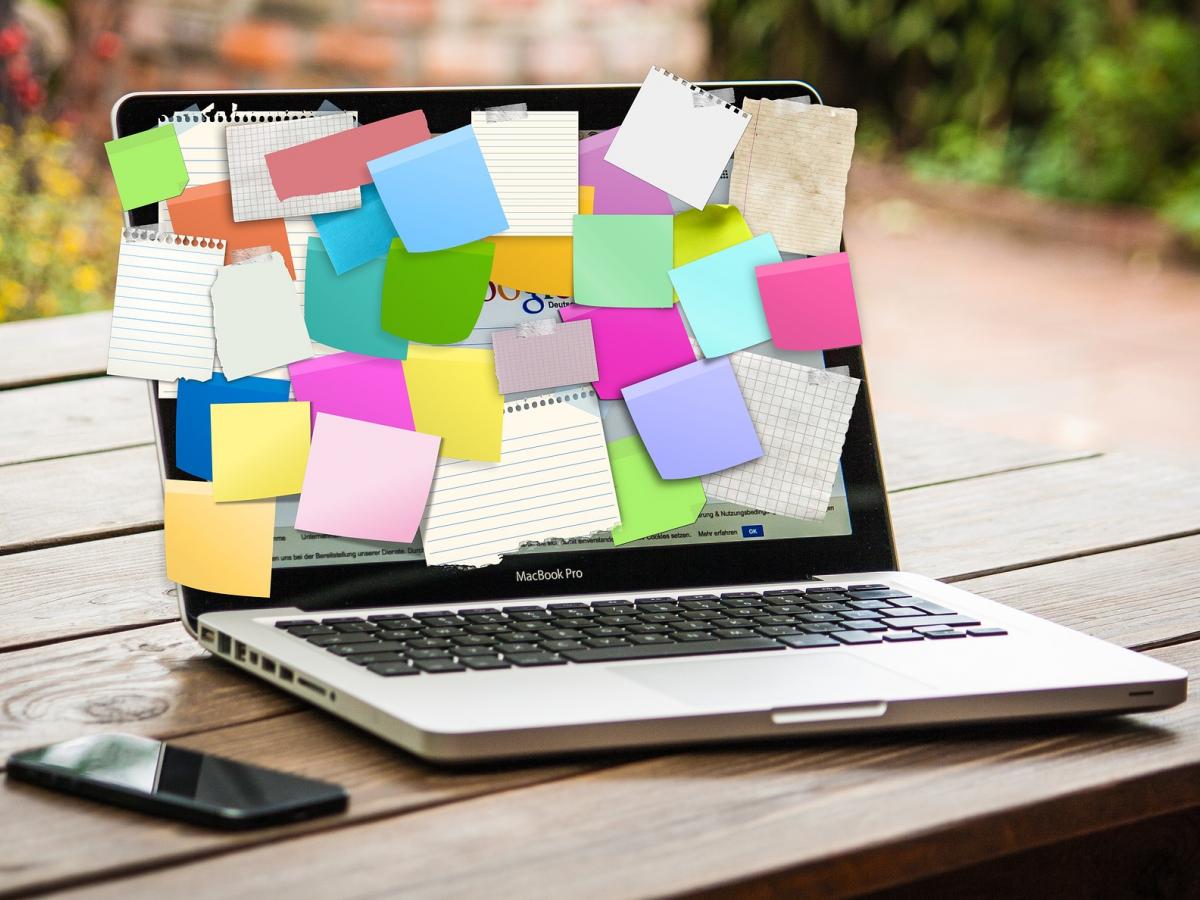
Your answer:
<point x="623" y="261"/>
<point x="148" y="166"/>
<point x="699" y="232"/>
<point x="343" y="311"/>
<point x="649" y="503"/>
<point x="435" y="297"/>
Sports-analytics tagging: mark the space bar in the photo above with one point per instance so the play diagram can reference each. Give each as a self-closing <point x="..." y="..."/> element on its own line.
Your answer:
<point x="655" y="651"/>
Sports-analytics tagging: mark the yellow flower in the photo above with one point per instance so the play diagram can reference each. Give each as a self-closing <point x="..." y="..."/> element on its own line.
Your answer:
<point x="47" y="304"/>
<point x="85" y="279"/>
<point x="38" y="253"/>
<point x="12" y="293"/>
<point x="73" y="239"/>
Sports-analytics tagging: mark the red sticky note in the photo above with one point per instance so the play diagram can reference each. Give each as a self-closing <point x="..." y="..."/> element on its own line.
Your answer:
<point x="633" y="344"/>
<point x="809" y="303"/>
<point x="338" y="162"/>
<point x="207" y="211"/>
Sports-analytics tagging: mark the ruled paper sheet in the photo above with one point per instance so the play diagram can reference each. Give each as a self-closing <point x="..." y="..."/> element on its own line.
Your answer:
<point x="534" y="164"/>
<point x="552" y="481"/>
<point x="789" y="173"/>
<point x="254" y="195"/>
<point x="162" y="324"/>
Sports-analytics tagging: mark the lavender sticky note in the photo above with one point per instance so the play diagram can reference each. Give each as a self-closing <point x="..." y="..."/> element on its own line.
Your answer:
<point x="354" y="387"/>
<point x="617" y="192"/>
<point x="693" y="420"/>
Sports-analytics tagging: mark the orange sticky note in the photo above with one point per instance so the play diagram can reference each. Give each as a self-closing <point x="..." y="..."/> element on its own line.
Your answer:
<point x="207" y="211"/>
<point x="225" y="548"/>
<point x="540" y="265"/>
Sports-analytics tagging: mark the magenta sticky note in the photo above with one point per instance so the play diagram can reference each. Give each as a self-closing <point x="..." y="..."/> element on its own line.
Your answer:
<point x="632" y="344"/>
<point x="354" y="386"/>
<point x="366" y="480"/>
<point x="617" y="192"/>
<point x="809" y="303"/>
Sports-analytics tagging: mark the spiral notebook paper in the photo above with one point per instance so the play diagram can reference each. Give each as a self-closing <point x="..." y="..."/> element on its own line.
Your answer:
<point x="552" y="482"/>
<point x="801" y="415"/>
<point x="254" y="195"/>
<point x="162" y="323"/>
<point x="675" y="143"/>
<point x="789" y="173"/>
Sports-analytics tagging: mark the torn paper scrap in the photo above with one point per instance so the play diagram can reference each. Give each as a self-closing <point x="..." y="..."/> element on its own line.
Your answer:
<point x="801" y="415"/>
<point x="220" y="547"/>
<point x="480" y="511"/>
<point x="258" y="320"/>
<point x="544" y="354"/>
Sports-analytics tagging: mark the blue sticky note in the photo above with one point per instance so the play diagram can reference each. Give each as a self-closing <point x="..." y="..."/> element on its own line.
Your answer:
<point x="355" y="236"/>
<point x="344" y="311"/>
<point x="193" y="423"/>
<point x="719" y="295"/>
<point x="439" y="192"/>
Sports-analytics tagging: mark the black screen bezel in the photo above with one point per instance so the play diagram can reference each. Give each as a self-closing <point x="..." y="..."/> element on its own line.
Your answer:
<point x="868" y="548"/>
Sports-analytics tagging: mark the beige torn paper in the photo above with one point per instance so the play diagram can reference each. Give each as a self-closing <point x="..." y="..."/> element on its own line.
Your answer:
<point x="789" y="173"/>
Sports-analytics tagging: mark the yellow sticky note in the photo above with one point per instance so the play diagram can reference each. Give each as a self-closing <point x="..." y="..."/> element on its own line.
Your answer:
<point x="540" y="265"/>
<point x="454" y="394"/>
<point x="258" y="449"/>
<point x="221" y="547"/>
<point x="699" y="232"/>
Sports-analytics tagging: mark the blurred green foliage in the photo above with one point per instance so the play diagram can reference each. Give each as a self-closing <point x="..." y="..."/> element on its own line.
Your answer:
<point x="1082" y="99"/>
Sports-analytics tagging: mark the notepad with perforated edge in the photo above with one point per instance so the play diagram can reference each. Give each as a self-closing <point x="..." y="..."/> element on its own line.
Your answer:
<point x="789" y="173"/>
<point x="552" y="483"/>
<point x="162" y="324"/>
<point x="220" y="547"/>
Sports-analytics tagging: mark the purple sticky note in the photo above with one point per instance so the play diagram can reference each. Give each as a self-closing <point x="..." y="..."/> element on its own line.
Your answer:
<point x="693" y="420"/>
<point x="617" y="192"/>
<point x="809" y="303"/>
<point x="632" y="344"/>
<point x="355" y="387"/>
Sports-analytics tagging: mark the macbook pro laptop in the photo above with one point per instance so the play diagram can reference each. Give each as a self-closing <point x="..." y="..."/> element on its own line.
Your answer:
<point x="743" y="625"/>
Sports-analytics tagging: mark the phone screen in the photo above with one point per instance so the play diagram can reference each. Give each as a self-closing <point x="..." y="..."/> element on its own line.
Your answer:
<point x="170" y="777"/>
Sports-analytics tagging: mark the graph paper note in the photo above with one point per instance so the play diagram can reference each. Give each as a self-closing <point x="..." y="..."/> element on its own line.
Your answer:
<point x="544" y="354"/>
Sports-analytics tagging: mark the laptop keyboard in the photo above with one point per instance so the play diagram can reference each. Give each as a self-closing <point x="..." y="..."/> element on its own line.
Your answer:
<point x="482" y="639"/>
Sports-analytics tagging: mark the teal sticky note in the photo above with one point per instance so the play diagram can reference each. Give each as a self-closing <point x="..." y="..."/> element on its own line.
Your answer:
<point x="147" y="166"/>
<point x="343" y="311"/>
<point x="355" y="236"/>
<point x="624" y="260"/>
<point x="719" y="296"/>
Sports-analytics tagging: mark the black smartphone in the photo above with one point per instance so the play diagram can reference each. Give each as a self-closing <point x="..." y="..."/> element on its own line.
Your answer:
<point x="155" y="777"/>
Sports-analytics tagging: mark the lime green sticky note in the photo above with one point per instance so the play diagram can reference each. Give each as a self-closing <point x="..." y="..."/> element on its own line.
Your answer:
<point x="699" y="232"/>
<point x="435" y="297"/>
<point x="623" y="261"/>
<point x="148" y="166"/>
<point x="649" y="503"/>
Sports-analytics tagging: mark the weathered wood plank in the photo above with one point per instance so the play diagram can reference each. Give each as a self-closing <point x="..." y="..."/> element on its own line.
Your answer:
<point x="74" y="498"/>
<point x="1017" y="518"/>
<point x="828" y="818"/>
<point x="105" y="843"/>
<point x="47" y="350"/>
<point x="97" y="586"/>
<point x="72" y="418"/>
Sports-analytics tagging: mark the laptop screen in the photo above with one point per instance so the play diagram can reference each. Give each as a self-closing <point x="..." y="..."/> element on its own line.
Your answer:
<point x="727" y="541"/>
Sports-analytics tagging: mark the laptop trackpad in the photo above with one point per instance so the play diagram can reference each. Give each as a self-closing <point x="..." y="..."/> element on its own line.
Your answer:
<point x="769" y="682"/>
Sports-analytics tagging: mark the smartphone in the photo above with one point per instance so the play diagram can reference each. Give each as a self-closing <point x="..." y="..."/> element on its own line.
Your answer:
<point x="154" y="777"/>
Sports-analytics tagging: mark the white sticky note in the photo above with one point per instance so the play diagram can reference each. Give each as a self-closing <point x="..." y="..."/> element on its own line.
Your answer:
<point x="258" y="321"/>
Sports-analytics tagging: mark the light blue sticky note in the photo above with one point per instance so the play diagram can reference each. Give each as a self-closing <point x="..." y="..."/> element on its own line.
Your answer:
<point x="344" y="311"/>
<point x="355" y="236"/>
<point x="719" y="295"/>
<point x="439" y="192"/>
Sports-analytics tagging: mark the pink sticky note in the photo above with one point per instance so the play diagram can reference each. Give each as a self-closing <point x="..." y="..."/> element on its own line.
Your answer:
<point x="339" y="162"/>
<point x="617" y="192"/>
<point x="632" y="344"/>
<point x="809" y="303"/>
<point x="354" y="386"/>
<point x="365" y="480"/>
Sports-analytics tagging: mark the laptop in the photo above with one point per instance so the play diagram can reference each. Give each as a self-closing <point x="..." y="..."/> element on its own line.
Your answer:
<point x="741" y="626"/>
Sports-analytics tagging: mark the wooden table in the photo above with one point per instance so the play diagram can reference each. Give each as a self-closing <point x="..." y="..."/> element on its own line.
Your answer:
<point x="89" y="643"/>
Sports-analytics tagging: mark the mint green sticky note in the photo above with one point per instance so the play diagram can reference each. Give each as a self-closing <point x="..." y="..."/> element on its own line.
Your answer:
<point x="148" y="166"/>
<point x="623" y="260"/>
<point x="435" y="297"/>
<point x="649" y="503"/>
<point x="342" y="311"/>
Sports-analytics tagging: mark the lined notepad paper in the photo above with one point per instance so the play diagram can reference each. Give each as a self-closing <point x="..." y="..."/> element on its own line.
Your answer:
<point x="801" y="415"/>
<point x="789" y="173"/>
<point x="254" y="195"/>
<point x="534" y="163"/>
<point x="553" y="481"/>
<point x="162" y="324"/>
